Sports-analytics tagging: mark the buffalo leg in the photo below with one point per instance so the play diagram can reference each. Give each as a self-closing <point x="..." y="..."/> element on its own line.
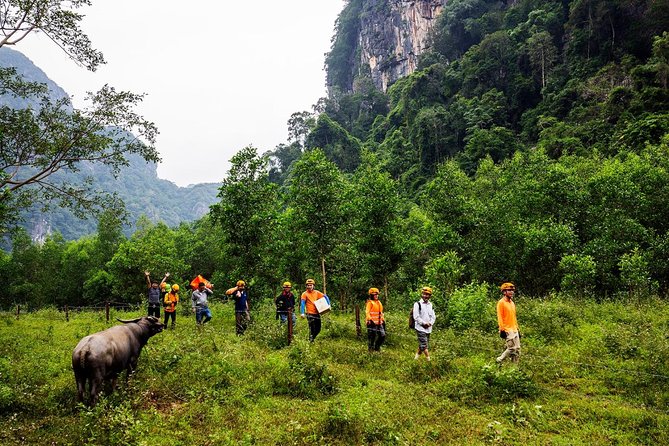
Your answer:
<point x="96" y="387"/>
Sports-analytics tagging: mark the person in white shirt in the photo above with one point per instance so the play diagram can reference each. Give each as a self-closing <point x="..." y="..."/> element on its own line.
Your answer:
<point x="423" y="314"/>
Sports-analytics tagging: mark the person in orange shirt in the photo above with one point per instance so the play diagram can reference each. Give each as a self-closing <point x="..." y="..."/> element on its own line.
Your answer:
<point x="508" y="325"/>
<point x="376" y="323"/>
<point x="170" y="302"/>
<point x="308" y="308"/>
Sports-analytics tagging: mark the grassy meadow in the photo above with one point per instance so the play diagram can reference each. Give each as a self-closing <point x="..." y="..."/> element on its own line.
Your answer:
<point x="590" y="374"/>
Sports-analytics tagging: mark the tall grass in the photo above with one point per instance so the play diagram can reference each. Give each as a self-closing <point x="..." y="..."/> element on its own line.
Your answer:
<point x="590" y="373"/>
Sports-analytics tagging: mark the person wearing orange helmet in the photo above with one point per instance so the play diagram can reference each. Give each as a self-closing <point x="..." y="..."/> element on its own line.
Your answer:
<point x="285" y="304"/>
<point x="424" y="317"/>
<point x="508" y="325"/>
<point x="170" y="302"/>
<point x="376" y="323"/>
<point x="242" y="315"/>
<point x="309" y="310"/>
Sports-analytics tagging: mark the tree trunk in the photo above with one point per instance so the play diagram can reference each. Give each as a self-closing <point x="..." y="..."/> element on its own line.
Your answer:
<point x="323" y="270"/>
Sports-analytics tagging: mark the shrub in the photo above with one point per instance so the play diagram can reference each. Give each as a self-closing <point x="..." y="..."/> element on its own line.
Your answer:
<point x="470" y="307"/>
<point x="549" y="320"/>
<point x="343" y="422"/>
<point x="308" y="378"/>
<point x="492" y="383"/>
<point x="578" y="274"/>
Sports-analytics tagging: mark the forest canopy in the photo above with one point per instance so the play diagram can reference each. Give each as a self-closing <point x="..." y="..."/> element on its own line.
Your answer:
<point x="531" y="145"/>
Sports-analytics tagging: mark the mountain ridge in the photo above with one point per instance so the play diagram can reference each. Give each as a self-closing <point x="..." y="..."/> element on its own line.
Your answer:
<point x="137" y="184"/>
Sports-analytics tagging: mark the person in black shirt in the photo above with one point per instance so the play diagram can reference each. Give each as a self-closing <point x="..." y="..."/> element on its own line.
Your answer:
<point x="154" y="294"/>
<point x="285" y="304"/>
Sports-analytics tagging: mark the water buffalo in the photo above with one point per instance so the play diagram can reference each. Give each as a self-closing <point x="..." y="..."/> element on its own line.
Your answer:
<point x="103" y="355"/>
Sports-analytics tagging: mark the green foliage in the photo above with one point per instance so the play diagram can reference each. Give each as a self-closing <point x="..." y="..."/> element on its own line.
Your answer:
<point x="578" y="274"/>
<point x="471" y="307"/>
<point x="601" y="379"/>
<point x="247" y="214"/>
<point x="315" y="193"/>
<point x="551" y="320"/>
<point x="445" y="272"/>
<point x="309" y="377"/>
<point x="338" y="145"/>
<point x="635" y="272"/>
<point x="344" y="44"/>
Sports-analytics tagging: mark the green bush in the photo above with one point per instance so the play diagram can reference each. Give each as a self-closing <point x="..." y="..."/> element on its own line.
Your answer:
<point x="471" y="307"/>
<point x="342" y="421"/>
<point x="307" y="377"/>
<point x="492" y="383"/>
<point x="548" y="320"/>
<point x="578" y="274"/>
<point x="426" y="371"/>
<point x="6" y="398"/>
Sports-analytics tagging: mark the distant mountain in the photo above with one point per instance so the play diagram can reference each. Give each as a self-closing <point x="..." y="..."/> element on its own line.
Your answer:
<point x="137" y="185"/>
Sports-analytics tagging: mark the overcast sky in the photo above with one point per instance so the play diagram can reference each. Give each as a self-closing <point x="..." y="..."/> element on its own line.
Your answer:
<point x="218" y="75"/>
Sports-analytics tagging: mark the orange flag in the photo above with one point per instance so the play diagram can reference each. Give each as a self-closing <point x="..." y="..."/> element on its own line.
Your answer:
<point x="195" y="282"/>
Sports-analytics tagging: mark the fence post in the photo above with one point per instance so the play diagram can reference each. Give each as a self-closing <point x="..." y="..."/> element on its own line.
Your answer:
<point x="289" y="321"/>
<point x="357" y="320"/>
<point x="18" y="311"/>
<point x="67" y="314"/>
<point x="107" y="310"/>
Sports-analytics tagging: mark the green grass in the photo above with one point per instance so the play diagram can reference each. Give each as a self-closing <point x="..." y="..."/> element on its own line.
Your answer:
<point x="590" y="374"/>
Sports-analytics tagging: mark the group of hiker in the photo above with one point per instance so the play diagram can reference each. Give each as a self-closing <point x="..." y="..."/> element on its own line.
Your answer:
<point x="314" y="303"/>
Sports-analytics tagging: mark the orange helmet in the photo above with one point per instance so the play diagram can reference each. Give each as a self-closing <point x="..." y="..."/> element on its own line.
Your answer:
<point x="373" y="291"/>
<point x="507" y="286"/>
<point x="240" y="283"/>
<point x="311" y="281"/>
<point x="287" y="284"/>
<point x="427" y="290"/>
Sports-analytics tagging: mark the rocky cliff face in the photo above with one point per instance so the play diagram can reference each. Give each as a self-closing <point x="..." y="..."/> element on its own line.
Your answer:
<point x="379" y="40"/>
<point x="393" y="34"/>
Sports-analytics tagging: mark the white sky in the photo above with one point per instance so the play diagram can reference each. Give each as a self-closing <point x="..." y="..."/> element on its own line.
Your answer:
<point x="218" y="75"/>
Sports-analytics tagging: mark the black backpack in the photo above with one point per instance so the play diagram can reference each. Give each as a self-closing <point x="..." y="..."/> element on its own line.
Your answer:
<point x="412" y="321"/>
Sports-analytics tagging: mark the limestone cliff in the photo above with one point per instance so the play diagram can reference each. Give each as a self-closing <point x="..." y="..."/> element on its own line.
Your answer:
<point x="391" y="34"/>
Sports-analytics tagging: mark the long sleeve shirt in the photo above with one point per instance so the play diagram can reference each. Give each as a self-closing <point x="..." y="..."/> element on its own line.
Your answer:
<point x="424" y="315"/>
<point x="284" y="301"/>
<point x="506" y="316"/>
<point x="199" y="298"/>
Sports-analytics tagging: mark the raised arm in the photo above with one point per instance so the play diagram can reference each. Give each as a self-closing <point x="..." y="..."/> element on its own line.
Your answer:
<point x="148" y="278"/>
<point x="165" y="278"/>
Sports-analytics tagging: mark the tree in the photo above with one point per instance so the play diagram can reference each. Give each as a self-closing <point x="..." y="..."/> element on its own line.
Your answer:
<point x="315" y="192"/>
<point x="340" y="146"/>
<point x="57" y="19"/>
<point x="110" y="235"/>
<point x="151" y="248"/>
<point x="543" y="53"/>
<point x="299" y="126"/>
<point x="660" y="59"/>
<point x="374" y="205"/>
<point x="247" y="214"/>
<point x="578" y="274"/>
<point x="48" y="135"/>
